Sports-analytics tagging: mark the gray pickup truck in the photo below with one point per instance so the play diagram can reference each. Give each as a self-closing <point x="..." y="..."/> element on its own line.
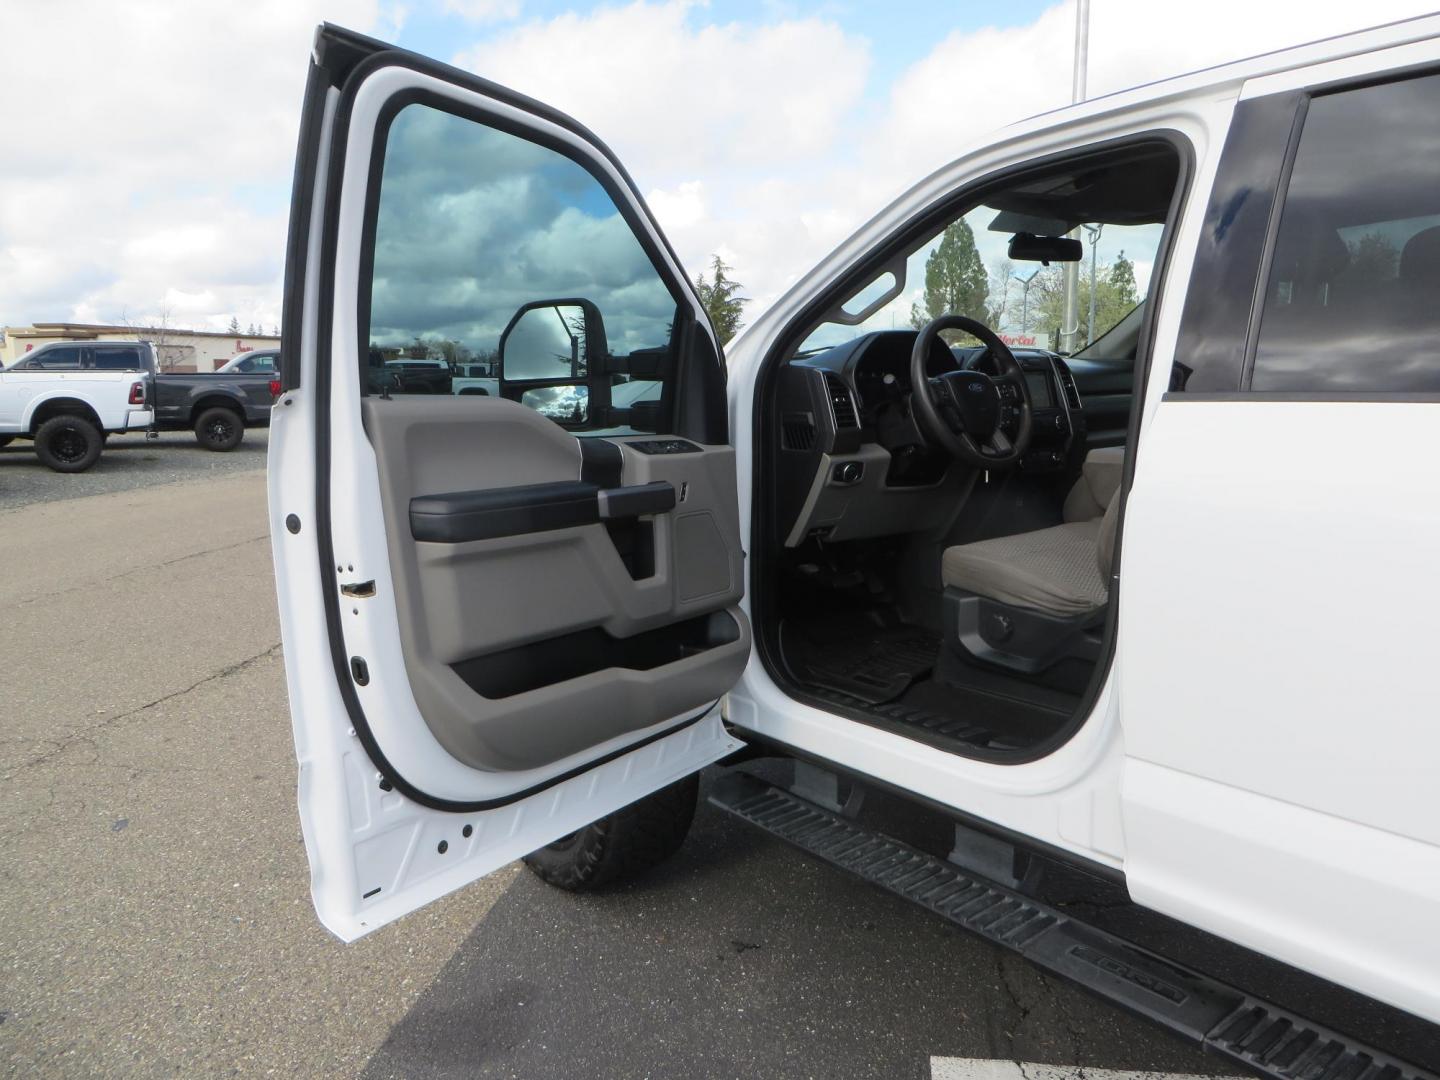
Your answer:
<point x="219" y="406"/>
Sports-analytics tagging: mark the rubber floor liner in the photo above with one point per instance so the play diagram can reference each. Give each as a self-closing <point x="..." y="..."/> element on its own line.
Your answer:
<point x="1222" y="1019"/>
<point x="871" y="665"/>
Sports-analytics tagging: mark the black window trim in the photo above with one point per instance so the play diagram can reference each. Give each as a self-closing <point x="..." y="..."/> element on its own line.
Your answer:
<point x="1280" y="195"/>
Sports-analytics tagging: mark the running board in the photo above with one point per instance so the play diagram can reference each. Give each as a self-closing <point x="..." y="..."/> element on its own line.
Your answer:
<point x="1226" y="1021"/>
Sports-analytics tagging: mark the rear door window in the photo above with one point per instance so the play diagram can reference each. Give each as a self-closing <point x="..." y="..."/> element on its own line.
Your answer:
<point x="124" y="358"/>
<point x="1353" y="299"/>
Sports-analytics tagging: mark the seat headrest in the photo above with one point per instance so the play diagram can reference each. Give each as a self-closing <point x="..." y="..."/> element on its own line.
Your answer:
<point x="1420" y="258"/>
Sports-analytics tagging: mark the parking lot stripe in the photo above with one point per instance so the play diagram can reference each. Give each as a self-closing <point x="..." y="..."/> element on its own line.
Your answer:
<point x="957" y="1068"/>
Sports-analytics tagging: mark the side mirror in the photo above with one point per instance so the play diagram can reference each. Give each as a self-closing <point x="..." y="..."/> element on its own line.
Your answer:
<point x="1027" y="247"/>
<point x="552" y="340"/>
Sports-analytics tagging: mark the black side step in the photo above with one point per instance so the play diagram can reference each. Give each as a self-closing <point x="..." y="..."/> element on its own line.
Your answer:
<point x="1222" y="1019"/>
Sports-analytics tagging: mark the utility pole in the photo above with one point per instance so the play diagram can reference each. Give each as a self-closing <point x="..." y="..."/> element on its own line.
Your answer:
<point x="1025" y="298"/>
<point x="1070" y="324"/>
<point x="1094" y="231"/>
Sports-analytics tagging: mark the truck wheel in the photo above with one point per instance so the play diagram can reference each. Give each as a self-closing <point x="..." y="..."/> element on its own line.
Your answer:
<point x="6" y="440"/>
<point x="219" y="429"/>
<point x="68" y="444"/>
<point x="623" y="845"/>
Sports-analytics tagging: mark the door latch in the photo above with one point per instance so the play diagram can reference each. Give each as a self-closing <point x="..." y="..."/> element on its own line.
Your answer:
<point x="358" y="588"/>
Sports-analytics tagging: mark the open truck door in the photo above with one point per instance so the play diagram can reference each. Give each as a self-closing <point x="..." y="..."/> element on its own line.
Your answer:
<point x="504" y="616"/>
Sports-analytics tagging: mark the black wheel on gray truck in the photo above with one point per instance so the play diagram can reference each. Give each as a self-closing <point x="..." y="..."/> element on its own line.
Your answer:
<point x="219" y="429"/>
<point x="68" y="444"/>
<point x="6" y="440"/>
<point x="625" y="844"/>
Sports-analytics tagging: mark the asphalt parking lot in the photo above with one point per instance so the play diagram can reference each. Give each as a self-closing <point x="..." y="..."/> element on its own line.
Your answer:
<point x="128" y="461"/>
<point x="157" y="921"/>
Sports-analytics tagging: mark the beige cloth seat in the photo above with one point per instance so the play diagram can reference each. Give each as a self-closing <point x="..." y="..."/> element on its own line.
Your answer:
<point x="1061" y="571"/>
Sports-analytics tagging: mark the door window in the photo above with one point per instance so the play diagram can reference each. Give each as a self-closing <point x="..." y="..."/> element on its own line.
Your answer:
<point x="65" y="358"/>
<point x="495" y="254"/>
<point x="1353" y="299"/>
<point x="122" y="359"/>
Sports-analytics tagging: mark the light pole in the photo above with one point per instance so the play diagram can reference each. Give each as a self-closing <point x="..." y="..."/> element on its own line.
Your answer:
<point x="1070" y="324"/>
<point x="1094" y="231"/>
<point x="1025" y="298"/>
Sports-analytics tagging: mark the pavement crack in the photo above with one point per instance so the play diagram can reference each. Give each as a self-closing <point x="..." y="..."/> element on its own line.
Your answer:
<point x="88" y="734"/>
<point x="147" y="568"/>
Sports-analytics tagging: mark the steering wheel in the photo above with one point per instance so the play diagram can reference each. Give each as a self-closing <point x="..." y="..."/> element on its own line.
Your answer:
<point x="962" y="411"/>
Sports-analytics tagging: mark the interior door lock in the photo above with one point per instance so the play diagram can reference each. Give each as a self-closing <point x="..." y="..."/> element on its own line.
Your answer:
<point x="358" y="588"/>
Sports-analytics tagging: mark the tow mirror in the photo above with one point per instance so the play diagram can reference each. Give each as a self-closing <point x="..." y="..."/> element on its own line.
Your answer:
<point x="1027" y="247"/>
<point x="552" y="341"/>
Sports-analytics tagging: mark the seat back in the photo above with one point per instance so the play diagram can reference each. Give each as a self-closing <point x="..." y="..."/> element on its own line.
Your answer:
<point x="1094" y="490"/>
<point x="1105" y="541"/>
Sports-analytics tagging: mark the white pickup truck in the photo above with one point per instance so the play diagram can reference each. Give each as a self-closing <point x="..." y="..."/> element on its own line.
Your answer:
<point x="68" y="396"/>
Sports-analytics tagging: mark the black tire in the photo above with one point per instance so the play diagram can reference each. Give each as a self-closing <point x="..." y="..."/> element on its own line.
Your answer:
<point x="621" y="846"/>
<point x="68" y="444"/>
<point x="220" y="429"/>
<point x="6" y="440"/>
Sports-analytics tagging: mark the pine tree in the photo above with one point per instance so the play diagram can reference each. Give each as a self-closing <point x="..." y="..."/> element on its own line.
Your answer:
<point x="234" y="327"/>
<point x="1122" y="283"/>
<point x="721" y="300"/>
<point x="955" y="279"/>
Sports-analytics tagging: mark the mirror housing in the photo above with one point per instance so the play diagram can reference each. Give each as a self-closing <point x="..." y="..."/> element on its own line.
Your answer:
<point x="1027" y="247"/>
<point x="552" y="340"/>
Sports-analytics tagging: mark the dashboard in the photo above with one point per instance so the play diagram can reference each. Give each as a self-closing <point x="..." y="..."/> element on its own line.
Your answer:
<point x="854" y="463"/>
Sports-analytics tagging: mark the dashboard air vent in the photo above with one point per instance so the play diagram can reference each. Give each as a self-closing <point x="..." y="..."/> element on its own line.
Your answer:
<point x="842" y="403"/>
<point x="1072" y="396"/>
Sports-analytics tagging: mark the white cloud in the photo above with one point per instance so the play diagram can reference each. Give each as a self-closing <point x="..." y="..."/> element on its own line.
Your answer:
<point x="666" y="94"/>
<point x="147" y="177"/>
<point x="158" y="182"/>
<point x="484" y="11"/>
<point x="755" y="140"/>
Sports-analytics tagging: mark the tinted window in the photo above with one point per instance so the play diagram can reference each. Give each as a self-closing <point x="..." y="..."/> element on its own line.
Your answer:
<point x="118" y="359"/>
<point x="1353" y="300"/>
<point x="480" y="236"/>
<point x="64" y="358"/>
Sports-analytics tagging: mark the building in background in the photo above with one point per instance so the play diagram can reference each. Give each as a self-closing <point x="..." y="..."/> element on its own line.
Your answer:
<point x="175" y="350"/>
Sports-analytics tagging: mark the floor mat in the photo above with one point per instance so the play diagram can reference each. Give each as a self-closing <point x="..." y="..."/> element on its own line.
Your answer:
<point x="870" y="663"/>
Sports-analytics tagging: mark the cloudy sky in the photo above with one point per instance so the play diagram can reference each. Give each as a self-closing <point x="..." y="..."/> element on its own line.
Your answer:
<point x="149" y="173"/>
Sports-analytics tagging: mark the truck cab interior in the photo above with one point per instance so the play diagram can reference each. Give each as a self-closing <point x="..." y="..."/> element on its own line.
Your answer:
<point x="936" y="546"/>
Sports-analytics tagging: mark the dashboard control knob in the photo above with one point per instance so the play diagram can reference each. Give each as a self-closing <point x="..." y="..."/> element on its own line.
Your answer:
<point x="848" y="472"/>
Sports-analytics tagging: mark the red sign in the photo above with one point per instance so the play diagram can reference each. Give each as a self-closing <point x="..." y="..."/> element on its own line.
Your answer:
<point x="1018" y="339"/>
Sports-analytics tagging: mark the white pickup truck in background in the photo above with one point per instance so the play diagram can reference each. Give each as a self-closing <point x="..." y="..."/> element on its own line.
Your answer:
<point x="68" y="397"/>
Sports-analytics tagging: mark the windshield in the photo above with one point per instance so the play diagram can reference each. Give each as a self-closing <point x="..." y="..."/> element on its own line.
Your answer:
<point x="965" y="269"/>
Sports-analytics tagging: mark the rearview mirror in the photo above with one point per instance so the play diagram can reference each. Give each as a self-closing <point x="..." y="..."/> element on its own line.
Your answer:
<point x="550" y="340"/>
<point x="1027" y="247"/>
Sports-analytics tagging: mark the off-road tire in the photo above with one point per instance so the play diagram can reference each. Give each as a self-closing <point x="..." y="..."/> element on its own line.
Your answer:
<point x="219" y="429"/>
<point x="621" y="846"/>
<point x="68" y="444"/>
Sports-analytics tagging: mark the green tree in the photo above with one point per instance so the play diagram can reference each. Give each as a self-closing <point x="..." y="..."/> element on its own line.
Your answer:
<point x="234" y="327"/>
<point x="1123" y="292"/>
<point x="956" y="282"/>
<point x="1116" y="294"/>
<point x="721" y="299"/>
